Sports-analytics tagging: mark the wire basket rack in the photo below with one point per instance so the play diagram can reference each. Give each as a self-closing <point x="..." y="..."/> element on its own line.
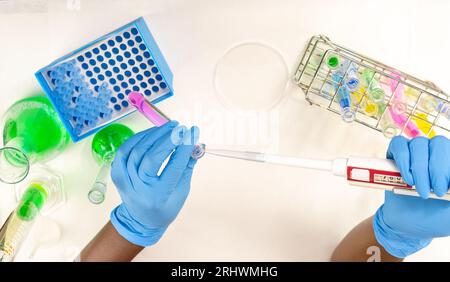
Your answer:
<point x="368" y="92"/>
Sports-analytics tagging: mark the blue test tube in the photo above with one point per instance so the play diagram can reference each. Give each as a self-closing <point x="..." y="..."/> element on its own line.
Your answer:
<point x="343" y="96"/>
<point x="352" y="79"/>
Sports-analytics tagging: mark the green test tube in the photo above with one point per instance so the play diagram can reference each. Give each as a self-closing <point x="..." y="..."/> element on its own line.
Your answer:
<point x="31" y="202"/>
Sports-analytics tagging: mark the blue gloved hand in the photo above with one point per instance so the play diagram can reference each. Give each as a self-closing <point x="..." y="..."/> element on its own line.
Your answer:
<point x="150" y="202"/>
<point x="405" y="224"/>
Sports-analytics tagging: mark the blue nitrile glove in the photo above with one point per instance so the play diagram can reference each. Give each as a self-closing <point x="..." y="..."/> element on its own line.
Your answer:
<point x="150" y="202"/>
<point x="405" y="224"/>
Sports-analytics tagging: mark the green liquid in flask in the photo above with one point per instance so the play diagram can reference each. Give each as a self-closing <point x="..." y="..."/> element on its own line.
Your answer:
<point x="33" y="133"/>
<point x="104" y="147"/>
<point x="108" y="140"/>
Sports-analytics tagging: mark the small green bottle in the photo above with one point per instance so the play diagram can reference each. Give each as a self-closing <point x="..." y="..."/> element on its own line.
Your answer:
<point x="104" y="148"/>
<point x="32" y="133"/>
<point x="32" y="202"/>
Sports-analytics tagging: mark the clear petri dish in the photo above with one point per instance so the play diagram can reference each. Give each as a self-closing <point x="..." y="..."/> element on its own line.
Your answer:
<point x="251" y="76"/>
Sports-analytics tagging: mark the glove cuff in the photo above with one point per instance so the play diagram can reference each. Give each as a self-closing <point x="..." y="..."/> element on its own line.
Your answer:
<point x="394" y="242"/>
<point x="132" y="230"/>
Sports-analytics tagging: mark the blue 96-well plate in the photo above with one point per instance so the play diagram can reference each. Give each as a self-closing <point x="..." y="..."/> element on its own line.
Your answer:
<point x="89" y="86"/>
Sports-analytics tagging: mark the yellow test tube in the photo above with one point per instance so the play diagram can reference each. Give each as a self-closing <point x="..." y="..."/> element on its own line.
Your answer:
<point x="423" y="125"/>
<point x="370" y="108"/>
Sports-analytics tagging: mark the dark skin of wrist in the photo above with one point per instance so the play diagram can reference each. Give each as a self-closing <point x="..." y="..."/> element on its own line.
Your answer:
<point x="354" y="247"/>
<point x="109" y="246"/>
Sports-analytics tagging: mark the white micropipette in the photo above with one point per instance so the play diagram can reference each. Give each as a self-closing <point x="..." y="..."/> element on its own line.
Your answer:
<point x="365" y="172"/>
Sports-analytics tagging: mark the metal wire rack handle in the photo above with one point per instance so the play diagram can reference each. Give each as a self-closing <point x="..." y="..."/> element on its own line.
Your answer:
<point x="338" y="48"/>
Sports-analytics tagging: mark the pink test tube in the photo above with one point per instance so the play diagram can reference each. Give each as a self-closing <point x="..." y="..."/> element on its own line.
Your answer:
<point x="400" y="119"/>
<point x="154" y="115"/>
<point x="147" y="109"/>
<point x="398" y="89"/>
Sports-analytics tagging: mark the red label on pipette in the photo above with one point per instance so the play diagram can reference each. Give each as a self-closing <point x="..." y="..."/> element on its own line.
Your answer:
<point x="376" y="177"/>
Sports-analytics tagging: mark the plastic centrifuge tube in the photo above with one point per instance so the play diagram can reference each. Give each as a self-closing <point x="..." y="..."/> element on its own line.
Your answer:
<point x="356" y="98"/>
<point x="332" y="61"/>
<point x="374" y="91"/>
<point x="381" y="109"/>
<point x="343" y="97"/>
<point x="350" y="70"/>
<point x="429" y="104"/>
<point x="399" y="107"/>
<point x="422" y="123"/>
<point x="352" y="79"/>
<point x="388" y="126"/>
<point x="370" y="108"/>
<point x="411" y="128"/>
<point x="411" y="93"/>
<point x="390" y="130"/>
<point x="20" y="221"/>
<point x="45" y="189"/>
<point x="376" y="94"/>
<point x="397" y="87"/>
<point x="366" y="77"/>
<point x="357" y="95"/>
<point x="104" y="148"/>
<point x="158" y="118"/>
<point x="444" y="109"/>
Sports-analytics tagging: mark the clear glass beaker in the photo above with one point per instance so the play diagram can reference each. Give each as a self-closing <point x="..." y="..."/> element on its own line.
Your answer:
<point x="32" y="133"/>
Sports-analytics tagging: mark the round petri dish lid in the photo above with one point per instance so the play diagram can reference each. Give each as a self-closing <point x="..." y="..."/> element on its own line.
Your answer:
<point x="251" y="76"/>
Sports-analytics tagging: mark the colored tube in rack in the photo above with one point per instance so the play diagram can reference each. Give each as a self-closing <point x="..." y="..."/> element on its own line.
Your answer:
<point x="343" y="93"/>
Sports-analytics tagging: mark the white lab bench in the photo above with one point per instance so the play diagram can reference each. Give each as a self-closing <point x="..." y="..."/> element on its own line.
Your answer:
<point x="237" y="211"/>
